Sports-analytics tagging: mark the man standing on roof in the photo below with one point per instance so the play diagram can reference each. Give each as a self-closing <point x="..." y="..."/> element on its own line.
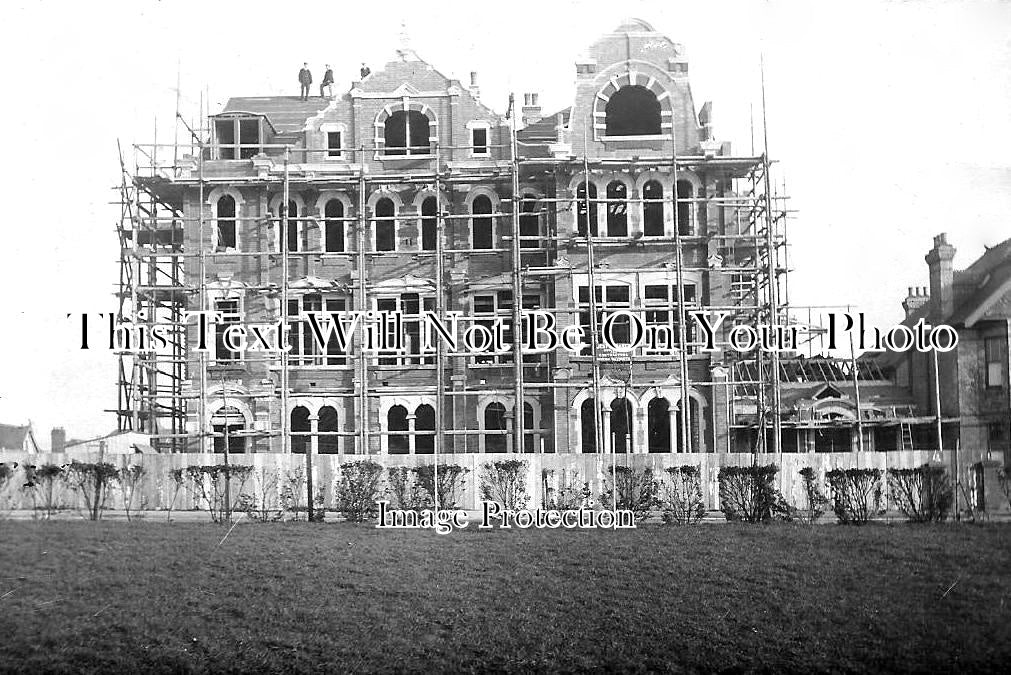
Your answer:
<point x="327" y="82"/>
<point x="305" y="79"/>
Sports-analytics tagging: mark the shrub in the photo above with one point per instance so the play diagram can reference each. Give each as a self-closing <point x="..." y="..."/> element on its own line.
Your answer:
<point x="40" y="483"/>
<point x="208" y="485"/>
<point x="505" y="482"/>
<point x="402" y="485"/>
<point x="571" y="493"/>
<point x="856" y="494"/>
<point x="7" y="472"/>
<point x="629" y="490"/>
<point x="450" y="482"/>
<point x="816" y="499"/>
<point x="747" y="493"/>
<point x="357" y="492"/>
<point x="178" y="478"/>
<point x="265" y="503"/>
<point x="92" y="481"/>
<point x="923" y="494"/>
<point x="681" y="495"/>
<point x="131" y="477"/>
<point x="292" y="491"/>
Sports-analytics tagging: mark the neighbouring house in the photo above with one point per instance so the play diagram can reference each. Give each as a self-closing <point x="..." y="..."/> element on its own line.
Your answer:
<point x="975" y="392"/>
<point x="17" y="438"/>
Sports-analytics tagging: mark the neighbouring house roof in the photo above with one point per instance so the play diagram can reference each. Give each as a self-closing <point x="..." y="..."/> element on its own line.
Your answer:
<point x="14" y="437"/>
<point x="988" y="280"/>
<point x="543" y="131"/>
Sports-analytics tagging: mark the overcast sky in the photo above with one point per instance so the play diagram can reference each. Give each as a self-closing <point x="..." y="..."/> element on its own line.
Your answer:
<point x="891" y="122"/>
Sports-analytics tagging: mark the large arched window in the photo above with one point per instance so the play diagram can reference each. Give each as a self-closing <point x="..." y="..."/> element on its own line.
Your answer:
<point x="686" y="226"/>
<point x="424" y="424"/>
<point x="429" y="226"/>
<point x="632" y="111"/>
<point x="586" y="206"/>
<point x="328" y="424"/>
<point x="530" y="222"/>
<point x="228" y="424"/>
<point x="386" y="225"/>
<point x="406" y="133"/>
<point x="494" y="421"/>
<point x="652" y="209"/>
<point x="658" y="425"/>
<point x="396" y="420"/>
<point x="621" y="425"/>
<point x="226" y="222"/>
<point x="588" y="427"/>
<point x="617" y="209"/>
<point x="300" y="429"/>
<point x="333" y="214"/>
<point x="482" y="222"/>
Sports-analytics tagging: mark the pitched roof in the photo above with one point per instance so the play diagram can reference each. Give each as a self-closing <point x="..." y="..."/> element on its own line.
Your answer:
<point x="991" y="276"/>
<point x="286" y="113"/>
<point x="12" y="437"/>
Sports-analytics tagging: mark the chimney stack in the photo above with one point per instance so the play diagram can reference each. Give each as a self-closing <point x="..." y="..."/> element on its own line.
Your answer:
<point x="939" y="263"/>
<point x="917" y="298"/>
<point x="474" y="89"/>
<point x="531" y="109"/>
<point x="58" y="440"/>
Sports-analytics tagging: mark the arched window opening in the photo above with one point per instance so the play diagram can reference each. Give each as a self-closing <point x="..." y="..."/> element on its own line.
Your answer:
<point x="632" y="111"/>
<point x="652" y="209"/>
<point x="586" y="205"/>
<point x="529" y="424"/>
<point x="658" y="425"/>
<point x="530" y="223"/>
<point x="694" y="424"/>
<point x="494" y="427"/>
<point x="328" y="445"/>
<point x="482" y="222"/>
<point x="228" y="425"/>
<point x="333" y="213"/>
<point x="396" y="420"/>
<point x="293" y="226"/>
<point x="429" y="225"/>
<point x="386" y="225"/>
<point x="588" y="427"/>
<point x="686" y="226"/>
<point x="424" y="424"/>
<point x="226" y="222"/>
<point x="406" y="133"/>
<point x="621" y="425"/>
<point x="617" y="209"/>
<point x="300" y="429"/>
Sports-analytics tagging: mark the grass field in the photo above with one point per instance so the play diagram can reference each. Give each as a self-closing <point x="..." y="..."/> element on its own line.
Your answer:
<point x="154" y="596"/>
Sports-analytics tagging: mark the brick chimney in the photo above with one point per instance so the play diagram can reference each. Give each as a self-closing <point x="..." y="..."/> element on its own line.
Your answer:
<point x="58" y="440"/>
<point x="917" y="298"/>
<point x="531" y="109"/>
<point x="941" y="274"/>
<point x="474" y="89"/>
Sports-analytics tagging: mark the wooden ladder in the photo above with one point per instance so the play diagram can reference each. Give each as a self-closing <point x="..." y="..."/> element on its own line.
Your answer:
<point x="906" y="434"/>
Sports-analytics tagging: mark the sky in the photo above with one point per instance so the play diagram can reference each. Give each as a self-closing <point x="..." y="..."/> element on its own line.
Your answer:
<point x="889" y="122"/>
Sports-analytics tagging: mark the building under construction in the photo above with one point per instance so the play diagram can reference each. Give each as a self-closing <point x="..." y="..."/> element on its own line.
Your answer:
<point x="407" y="193"/>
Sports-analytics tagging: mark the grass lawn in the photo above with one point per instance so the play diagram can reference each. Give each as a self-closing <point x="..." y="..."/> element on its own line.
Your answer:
<point x="154" y="596"/>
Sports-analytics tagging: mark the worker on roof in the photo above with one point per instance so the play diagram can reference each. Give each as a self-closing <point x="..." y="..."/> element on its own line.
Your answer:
<point x="305" y="79"/>
<point x="365" y="71"/>
<point x="327" y="83"/>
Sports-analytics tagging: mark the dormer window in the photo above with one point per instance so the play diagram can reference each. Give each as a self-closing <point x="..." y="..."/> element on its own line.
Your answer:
<point x="237" y="137"/>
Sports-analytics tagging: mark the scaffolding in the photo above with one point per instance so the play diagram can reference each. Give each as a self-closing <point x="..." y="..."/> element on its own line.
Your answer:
<point x="735" y="231"/>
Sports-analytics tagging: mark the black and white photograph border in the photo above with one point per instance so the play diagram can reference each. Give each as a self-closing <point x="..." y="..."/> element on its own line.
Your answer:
<point x="533" y="337"/>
